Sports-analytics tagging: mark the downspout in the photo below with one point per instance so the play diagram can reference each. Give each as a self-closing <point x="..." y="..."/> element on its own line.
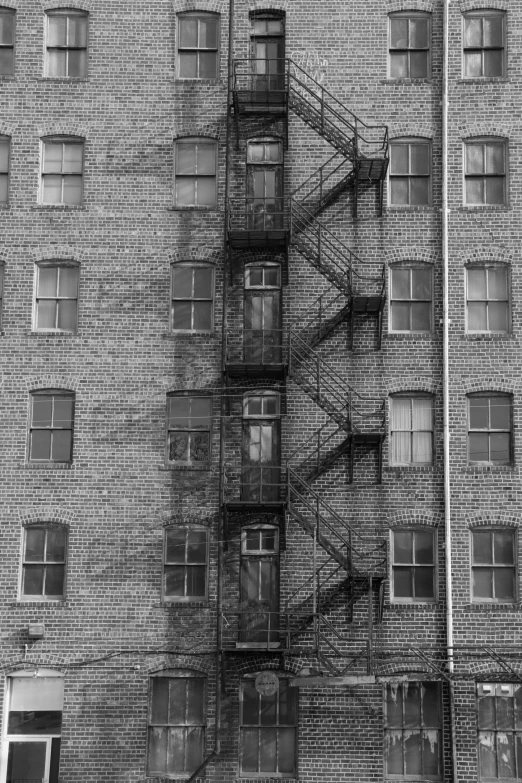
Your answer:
<point x="446" y="390"/>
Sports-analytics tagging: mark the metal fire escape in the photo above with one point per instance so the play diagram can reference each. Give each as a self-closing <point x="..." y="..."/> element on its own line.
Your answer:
<point x="345" y="563"/>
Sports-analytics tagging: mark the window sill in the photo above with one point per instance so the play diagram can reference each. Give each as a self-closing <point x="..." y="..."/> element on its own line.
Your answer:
<point x="399" y="606"/>
<point x="483" y="208"/>
<point x="187" y="334"/>
<point x="63" y="79"/>
<point x="410" y="208"/>
<point x="487" y="337"/>
<point x="407" y="80"/>
<point x="489" y="469"/>
<point x="409" y="335"/>
<point x="53" y="603"/>
<point x="183" y="605"/>
<point x="59" y="207"/>
<point x="185" y="468"/>
<point x="5" y="205"/>
<point x="484" y="80"/>
<point x="492" y="607"/>
<point x="409" y="468"/>
<point x="194" y="82"/>
<point x="53" y="333"/>
<point x="194" y="209"/>
<point x="48" y="465"/>
<point x="7" y="77"/>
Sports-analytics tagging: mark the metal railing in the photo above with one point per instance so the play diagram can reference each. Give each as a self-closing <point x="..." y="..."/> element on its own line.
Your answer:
<point x="259" y="214"/>
<point x="325" y="182"/>
<point x="255" y="346"/>
<point x="256" y="484"/>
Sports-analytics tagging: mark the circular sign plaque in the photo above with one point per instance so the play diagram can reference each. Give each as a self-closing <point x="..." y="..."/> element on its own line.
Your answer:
<point x="267" y="683"/>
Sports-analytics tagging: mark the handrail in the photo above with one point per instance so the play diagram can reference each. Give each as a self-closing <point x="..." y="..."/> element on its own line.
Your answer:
<point x="323" y="179"/>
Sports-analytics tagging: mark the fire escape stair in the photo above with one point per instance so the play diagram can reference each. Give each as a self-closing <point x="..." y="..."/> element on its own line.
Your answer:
<point x="316" y="120"/>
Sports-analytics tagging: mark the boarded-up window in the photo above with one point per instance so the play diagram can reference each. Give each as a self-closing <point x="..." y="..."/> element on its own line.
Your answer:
<point x="500" y="729"/>
<point x="268" y="730"/>
<point x="412" y="730"/>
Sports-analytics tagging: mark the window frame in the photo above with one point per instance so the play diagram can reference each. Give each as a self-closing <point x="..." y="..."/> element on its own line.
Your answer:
<point x="497" y="687"/>
<point x="52" y="393"/>
<point x="44" y="598"/>
<point x="410" y="267"/>
<point x="484" y="142"/>
<point x="408" y="49"/>
<point x="409" y="142"/>
<point x="66" y="13"/>
<point x="190" y="463"/>
<point x="489" y="430"/>
<point x="58" y="264"/>
<point x="187" y="597"/>
<point x="412" y="599"/>
<point x="482" y="13"/>
<point x="193" y="299"/>
<point x="63" y="141"/>
<point x="195" y="141"/>
<point x="411" y="396"/>
<point x="177" y="674"/>
<point x="5" y="141"/>
<point x="493" y="566"/>
<point x="2" y="293"/>
<point x="5" y="11"/>
<point x="198" y="15"/>
<point x="487" y="267"/>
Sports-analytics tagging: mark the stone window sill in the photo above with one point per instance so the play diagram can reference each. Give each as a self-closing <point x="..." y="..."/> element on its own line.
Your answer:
<point x="59" y="207"/>
<point x="407" y="80"/>
<point x="48" y="466"/>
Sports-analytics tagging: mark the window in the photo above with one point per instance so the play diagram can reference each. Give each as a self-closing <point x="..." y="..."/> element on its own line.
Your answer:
<point x="413" y="571"/>
<point x="485" y="172"/>
<point x="62" y="172"/>
<point x="51" y="430"/>
<point x="411" y="425"/>
<point x="409" y="46"/>
<point x="410" y="167"/>
<point x="493" y="565"/>
<point x="198" y="46"/>
<point x="412" y="730"/>
<point x="7" y="31"/>
<point x="176" y="724"/>
<point x="192" y="298"/>
<point x="43" y="569"/>
<point x="189" y="430"/>
<point x="34" y="725"/>
<point x="490" y="429"/>
<point x="499" y="729"/>
<point x="66" y="43"/>
<point x="268" y="730"/>
<point x="484" y="47"/>
<point x="487" y="301"/>
<point x="411" y="301"/>
<point x="56" y="307"/>
<point x="4" y="165"/>
<point x="2" y="268"/>
<point x="196" y="173"/>
<point x="185" y="564"/>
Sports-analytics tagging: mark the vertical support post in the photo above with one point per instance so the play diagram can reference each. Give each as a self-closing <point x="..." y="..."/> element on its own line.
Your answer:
<point x="370" y="627"/>
<point x="322" y="110"/>
<point x="318" y="372"/>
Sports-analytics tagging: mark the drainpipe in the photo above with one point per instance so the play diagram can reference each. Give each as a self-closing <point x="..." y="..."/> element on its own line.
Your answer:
<point x="445" y="391"/>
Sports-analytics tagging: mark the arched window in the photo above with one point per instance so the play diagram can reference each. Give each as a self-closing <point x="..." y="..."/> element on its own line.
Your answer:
<point x="484" y="34"/>
<point x="185" y="563"/>
<point x="198" y="45"/>
<point x="51" y="426"/>
<point x="62" y="171"/>
<point x="43" y="564"/>
<point x="485" y="167"/>
<point x="195" y="172"/>
<point x="493" y="564"/>
<point x="7" y="40"/>
<point x="410" y="172"/>
<point x="410" y="45"/>
<point x="66" y="44"/>
<point x="411" y="298"/>
<point x="56" y="296"/>
<point x="490" y="428"/>
<point x="487" y="298"/>
<point x="5" y="155"/>
<point x="189" y="427"/>
<point x="192" y="297"/>
<point x="413" y="554"/>
<point x="411" y="429"/>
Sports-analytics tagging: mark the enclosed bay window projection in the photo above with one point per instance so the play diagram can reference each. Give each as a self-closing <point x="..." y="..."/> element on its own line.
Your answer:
<point x="195" y="173"/>
<point x="43" y="567"/>
<point x="411" y="300"/>
<point x="34" y="725"/>
<point x="410" y="172"/>
<point x="7" y="36"/>
<point x="485" y="172"/>
<point x="484" y="44"/>
<point x="62" y="172"/>
<point x="499" y="730"/>
<point x="268" y="730"/>
<point x="66" y="43"/>
<point x="177" y="719"/>
<point x="189" y="423"/>
<point x="56" y="301"/>
<point x="409" y="46"/>
<point x="413" y="565"/>
<point x="411" y="430"/>
<point x="51" y="426"/>
<point x="192" y="301"/>
<point x="487" y="299"/>
<point x="5" y="144"/>
<point x="198" y="46"/>
<point x="493" y="565"/>
<point x="490" y="428"/>
<point x="413" y="729"/>
<point x="185" y="564"/>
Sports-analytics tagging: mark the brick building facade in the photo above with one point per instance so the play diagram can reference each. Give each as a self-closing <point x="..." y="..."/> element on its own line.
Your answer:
<point x="260" y="315"/>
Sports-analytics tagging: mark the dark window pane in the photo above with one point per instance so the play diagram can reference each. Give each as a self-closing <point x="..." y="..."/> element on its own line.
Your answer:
<point x="431" y="752"/>
<point x="419" y="159"/>
<point x="182" y="277"/>
<point x="418" y="33"/>
<point x="175" y="580"/>
<point x="26" y="761"/>
<point x="188" y="65"/>
<point x="423" y="583"/>
<point x="421" y="283"/>
<point x="482" y="547"/>
<point x="423" y="546"/>
<point x="40" y="448"/>
<point x="412" y="753"/>
<point x="42" y="411"/>
<point x="157" y="750"/>
<point x="249" y="750"/>
<point x="196" y="546"/>
<point x="486" y="712"/>
<point x="394" y="753"/>
<point x="77" y="63"/>
<point x="182" y="316"/>
<point x="195" y="703"/>
<point x="430" y="704"/>
<point x="477" y="284"/>
<point x="493" y="30"/>
<point x="178" y="701"/>
<point x="179" y="447"/>
<point x="483" y="583"/>
<point x="7" y="29"/>
<point x="176" y="541"/>
<point x="179" y="408"/>
<point x="61" y="450"/>
<point x="196" y="581"/>
<point x="268" y="709"/>
<point x="399" y="162"/>
<point x="394" y="705"/>
<point x="420" y="192"/>
<point x="200" y="447"/>
<point x="506" y="755"/>
<point x="403" y="546"/>
<point x="41" y="722"/>
<point x="398" y="65"/>
<point x="33" y="579"/>
<point x="55" y="545"/>
<point x="202" y="316"/>
<point x="160" y="696"/>
<point x="503" y="547"/>
<point x="286" y="750"/>
<point x="268" y="750"/>
<point x="287" y="704"/>
<point x="250" y="705"/>
<point x="475" y="191"/>
<point x="495" y="190"/>
<point x="46" y="310"/>
<point x="498" y="316"/>
<point x="503" y="584"/>
<point x="500" y="447"/>
<point x="505" y="712"/>
<point x="208" y="65"/>
<point x="63" y="412"/>
<point x="399" y="191"/>
<point x="500" y="413"/>
<point x="54" y="580"/>
<point x="487" y="754"/>
<point x="202" y="283"/>
<point x="478" y="447"/>
<point x="479" y="413"/>
<point x="399" y="32"/>
<point x="401" y="316"/>
<point x="35" y="544"/>
<point x="412" y="710"/>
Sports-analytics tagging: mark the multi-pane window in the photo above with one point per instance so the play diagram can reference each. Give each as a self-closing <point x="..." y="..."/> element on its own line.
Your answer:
<point x="66" y="43"/>
<point x="409" y="46"/>
<point x="485" y="172"/>
<point x="410" y="172"/>
<point x="7" y="33"/>
<point x="34" y="726"/>
<point x="268" y="730"/>
<point x="411" y="428"/>
<point x="189" y="424"/>
<point x="176" y="724"/>
<point x="484" y="44"/>
<point x="2" y="269"/>
<point x="490" y="428"/>
<point x="413" y="730"/>
<point x="198" y="46"/>
<point x="487" y="299"/>
<point x="56" y="301"/>
<point x="51" y="428"/>
<point x="62" y="172"/>
<point x="411" y="300"/>
<point x="413" y="565"/>
<point x="195" y="173"/>
<point x="185" y="564"/>
<point x="493" y="565"/>
<point x="43" y="569"/>
<point x="4" y="166"/>
<point x="192" y="297"/>
<point x="499" y="730"/>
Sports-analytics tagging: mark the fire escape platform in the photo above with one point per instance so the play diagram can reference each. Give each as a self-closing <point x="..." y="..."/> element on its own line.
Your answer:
<point x="371" y="305"/>
<point x="272" y="371"/>
<point x="255" y="239"/>
<point x="261" y="102"/>
<point x="373" y="169"/>
<point x="260" y="506"/>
